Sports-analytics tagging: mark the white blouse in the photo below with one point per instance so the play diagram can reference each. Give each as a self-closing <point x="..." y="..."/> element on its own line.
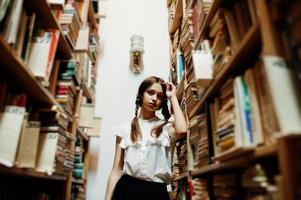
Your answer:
<point x="149" y="158"/>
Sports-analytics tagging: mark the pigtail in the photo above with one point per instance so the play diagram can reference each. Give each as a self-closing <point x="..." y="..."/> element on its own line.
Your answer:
<point x="135" y="128"/>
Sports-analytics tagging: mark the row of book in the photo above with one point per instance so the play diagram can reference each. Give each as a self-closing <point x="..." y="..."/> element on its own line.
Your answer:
<point x="199" y="12"/>
<point x="179" y="163"/>
<point x="254" y="182"/>
<point x="36" y="45"/>
<point x="198" y="137"/>
<point x="38" y="137"/>
<point x="181" y="190"/>
<point x="243" y="116"/>
<point x="200" y="189"/>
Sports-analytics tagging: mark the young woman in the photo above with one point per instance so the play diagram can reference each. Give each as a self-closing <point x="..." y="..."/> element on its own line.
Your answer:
<point x="142" y="163"/>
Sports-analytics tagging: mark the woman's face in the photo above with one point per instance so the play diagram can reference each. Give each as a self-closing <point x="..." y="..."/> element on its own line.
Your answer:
<point x="153" y="97"/>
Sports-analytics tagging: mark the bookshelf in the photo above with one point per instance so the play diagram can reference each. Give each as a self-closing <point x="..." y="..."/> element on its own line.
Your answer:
<point x="248" y="45"/>
<point x="234" y="136"/>
<point x="22" y="75"/>
<point x="46" y="153"/>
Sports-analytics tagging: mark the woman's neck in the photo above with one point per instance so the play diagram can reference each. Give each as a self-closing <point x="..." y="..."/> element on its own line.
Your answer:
<point x="146" y="114"/>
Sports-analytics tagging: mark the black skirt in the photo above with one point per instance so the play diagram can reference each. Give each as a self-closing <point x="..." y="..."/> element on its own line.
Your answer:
<point x="131" y="188"/>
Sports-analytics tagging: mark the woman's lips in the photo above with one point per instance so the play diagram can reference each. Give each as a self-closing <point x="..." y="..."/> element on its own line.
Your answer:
<point x="152" y="104"/>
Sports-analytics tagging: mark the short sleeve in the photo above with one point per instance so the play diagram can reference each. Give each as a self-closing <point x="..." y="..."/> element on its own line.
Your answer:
<point x="169" y="128"/>
<point x="120" y="131"/>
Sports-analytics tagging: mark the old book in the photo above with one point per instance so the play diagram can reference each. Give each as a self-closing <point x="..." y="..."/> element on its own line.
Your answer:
<point x="46" y="152"/>
<point x="95" y="130"/>
<point x="285" y="94"/>
<point x="11" y="121"/>
<point x="86" y="115"/>
<point x="254" y="105"/>
<point x="42" y="53"/>
<point x="28" y="146"/>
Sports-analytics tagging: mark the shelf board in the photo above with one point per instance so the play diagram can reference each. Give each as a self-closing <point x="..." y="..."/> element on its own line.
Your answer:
<point x="15" y="68"/>
<point x="239" y="162"/>
<point x="64" y="49"/>
<point x="30" y="173"/>
<point x="82" y="134"/>
<point x="232" y="153"/>
<point x="43" y="10"/>
<point x="87" y="91"/>
<point x="176" y="21"/>
<point x="218" y="167"/>
<point x="91" y="15"/>
<point x="181" y="177"/>
<point x="247" y="47"/>
<point x="212" y="11"/>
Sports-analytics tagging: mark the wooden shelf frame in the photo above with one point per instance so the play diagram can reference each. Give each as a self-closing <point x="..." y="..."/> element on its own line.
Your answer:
<point x="180" y="88"/>
<point x="43" y="9"/>
<point x="239" y="162"/>
<point x="247" y="47"/>
<point x="82" y="134"/>
<point x="87" y="92"/>
<point x="91" y="15"/>
<point x="15" y="68"/>
<point x="181" y="177"/>
<point x="30" y="173"/>
<point x="176" y="21"/>
<point x="212" y="11"/>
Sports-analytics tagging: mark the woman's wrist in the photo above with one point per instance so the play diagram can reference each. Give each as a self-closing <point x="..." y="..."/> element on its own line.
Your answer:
<point x="172" y="98"/>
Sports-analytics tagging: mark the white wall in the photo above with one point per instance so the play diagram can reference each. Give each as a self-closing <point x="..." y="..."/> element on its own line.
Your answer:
<point x="117" y="86"/>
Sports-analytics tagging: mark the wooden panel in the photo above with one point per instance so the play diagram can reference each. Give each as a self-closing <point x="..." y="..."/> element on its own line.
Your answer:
<point x="290" y="165"/>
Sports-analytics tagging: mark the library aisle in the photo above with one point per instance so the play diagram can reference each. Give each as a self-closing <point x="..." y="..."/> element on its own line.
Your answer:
<point x="70" y="72"/>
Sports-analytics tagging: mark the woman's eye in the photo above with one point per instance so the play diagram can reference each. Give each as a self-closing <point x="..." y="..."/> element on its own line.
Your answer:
<point x="150" y="92"/>
<point x="160" y="96"/>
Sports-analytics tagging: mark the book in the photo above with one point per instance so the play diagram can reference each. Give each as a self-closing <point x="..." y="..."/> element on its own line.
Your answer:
<point x="11" y="121"/>
<point x="47" y="151"/>
<point x="28" y="145"/>
<point x="86" y="116"/>
<point x="42" y="52"/>
<point x="285" y="94"/>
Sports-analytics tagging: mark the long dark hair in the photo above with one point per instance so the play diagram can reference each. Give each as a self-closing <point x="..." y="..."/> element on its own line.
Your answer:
<point x="157" y="130"/>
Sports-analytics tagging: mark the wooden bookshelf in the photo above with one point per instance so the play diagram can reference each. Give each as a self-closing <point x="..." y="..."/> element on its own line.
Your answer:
<point x="57" y="108"/>
<point x="82" y="134"/>
<point x="240" y="161"/>
<point x="181" y="88"/>
<point x="181" y="177"/>
<point x="176" y="21"/>
<point x="15" y="68"/>
<point x="87" y="91"/>
<point x="43" y="9"/>
<point x="30" y="173"/>
<point x="213" y="9"/>
<point x="241" y="35"/>
<point x="91" y="15"/>
<point x="248" y="48"/>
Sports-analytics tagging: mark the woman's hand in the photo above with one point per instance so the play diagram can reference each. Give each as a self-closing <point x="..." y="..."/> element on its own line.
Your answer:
<point x="170" y="90"/>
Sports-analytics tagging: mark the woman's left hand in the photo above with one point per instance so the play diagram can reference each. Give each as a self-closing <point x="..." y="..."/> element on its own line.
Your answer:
<point x="170" y="90"/>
